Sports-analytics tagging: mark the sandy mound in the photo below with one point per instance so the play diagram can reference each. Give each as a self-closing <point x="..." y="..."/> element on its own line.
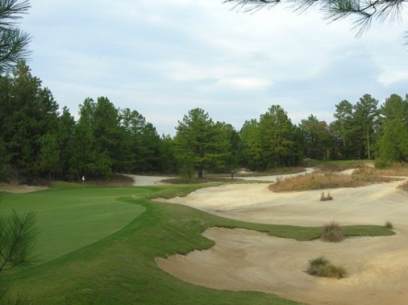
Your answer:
<point x="146" y="180"/>
<point x="14" y="188"/>
<point x="246" y="260"/>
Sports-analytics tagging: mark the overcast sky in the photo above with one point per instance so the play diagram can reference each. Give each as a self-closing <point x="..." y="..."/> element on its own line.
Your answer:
<point x="166" y="57"/>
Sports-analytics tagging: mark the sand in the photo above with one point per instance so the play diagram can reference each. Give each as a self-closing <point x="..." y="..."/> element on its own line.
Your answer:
<point x="16" y="188"/>
<point x="140" y="180"/>
<point x="247" y="260"/>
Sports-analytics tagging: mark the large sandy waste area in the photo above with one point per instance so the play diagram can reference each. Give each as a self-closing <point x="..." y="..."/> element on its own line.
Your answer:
<point x="247" y="260"/>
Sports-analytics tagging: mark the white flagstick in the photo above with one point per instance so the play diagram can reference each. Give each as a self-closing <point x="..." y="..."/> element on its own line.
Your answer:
<point x="83" y="181"/>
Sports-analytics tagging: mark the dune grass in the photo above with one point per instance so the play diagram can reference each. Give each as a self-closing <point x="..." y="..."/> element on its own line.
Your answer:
<point x="336" y="165"/>
<point x="323" y="268"/>
<point x="332" y="232"/>
<point x="316" y="181"/>
<point x="120" y="268"/>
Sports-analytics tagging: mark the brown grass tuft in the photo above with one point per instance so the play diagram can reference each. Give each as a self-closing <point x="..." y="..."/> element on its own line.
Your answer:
<point x="332" y="232"/>
<point x="324" y="197"/>
<point x="315" y="181"/>
<point x="323" y="268"/>
<point x="394" y="169"/>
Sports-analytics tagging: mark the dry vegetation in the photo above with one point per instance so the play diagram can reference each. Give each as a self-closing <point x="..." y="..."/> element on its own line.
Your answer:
<point x="327" y="180"/>
<point x="397" y="169"/>
<point x="117" y="180"/>
<point x="270" y="172"/>
<point x="332" y="232"/>
<point x="389" y="225"/>
<point x="323" y="268"/>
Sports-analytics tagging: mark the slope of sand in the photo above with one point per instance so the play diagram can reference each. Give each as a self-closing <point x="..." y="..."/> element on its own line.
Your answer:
<point x="146" y="180"/>
<point x="246" y="260"/>
<point x="17" y="188"/>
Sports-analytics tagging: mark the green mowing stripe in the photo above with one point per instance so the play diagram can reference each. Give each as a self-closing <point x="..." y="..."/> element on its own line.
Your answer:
<point x="72" y="219"/>
<point x="120" y="268"/>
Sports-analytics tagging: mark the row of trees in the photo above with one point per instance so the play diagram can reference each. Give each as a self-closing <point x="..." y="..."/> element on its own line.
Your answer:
<point x="37" y="140"/>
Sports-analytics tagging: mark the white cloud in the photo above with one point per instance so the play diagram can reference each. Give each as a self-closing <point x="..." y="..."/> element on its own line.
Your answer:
<point x="165" y="57"/>
<point x="245" y="83"/>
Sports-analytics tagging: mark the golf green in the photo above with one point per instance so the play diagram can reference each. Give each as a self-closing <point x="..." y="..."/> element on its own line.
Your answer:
<point x="72" y="218"/>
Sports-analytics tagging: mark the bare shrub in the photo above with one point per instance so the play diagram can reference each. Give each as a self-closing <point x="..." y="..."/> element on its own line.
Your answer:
<point x="332" y="232"/>
<point x="323" y="268"/>
<point x="324" y="197"/>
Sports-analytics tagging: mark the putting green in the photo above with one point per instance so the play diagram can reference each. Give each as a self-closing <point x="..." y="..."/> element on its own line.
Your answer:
<point x="72" y="218"/>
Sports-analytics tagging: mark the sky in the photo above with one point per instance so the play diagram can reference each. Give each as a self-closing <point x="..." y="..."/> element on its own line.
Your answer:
<point x="166" y="57"/>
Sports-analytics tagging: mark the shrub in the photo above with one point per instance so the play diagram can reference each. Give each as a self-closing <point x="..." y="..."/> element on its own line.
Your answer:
<point x="323" y="268"/>
<point x="389" y="225"/>
<point x="332" y="232"/>
<point x="382" y="164"/>
<point x="324" y="197"/>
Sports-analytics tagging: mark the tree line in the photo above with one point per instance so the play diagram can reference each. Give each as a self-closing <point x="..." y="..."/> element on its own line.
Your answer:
<point x="39" y="140"/>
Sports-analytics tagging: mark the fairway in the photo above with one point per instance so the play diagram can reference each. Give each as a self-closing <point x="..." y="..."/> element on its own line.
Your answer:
<point x="113" y="237"/>
<point x="69" y="219"/>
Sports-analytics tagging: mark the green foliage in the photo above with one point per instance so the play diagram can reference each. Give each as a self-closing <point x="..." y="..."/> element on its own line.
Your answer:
<point x="13" y="41"/>
<point x="199" y="143"/>
<point x="355" y="128"/>
<point x="271" y="142"/>
<point x="316" y="137"/>
<point x="363" y="11"/>
<point x="17" y="236"/>
<point x="393" y="139"/>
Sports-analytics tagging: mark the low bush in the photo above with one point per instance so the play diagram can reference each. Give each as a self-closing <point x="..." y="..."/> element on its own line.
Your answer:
<point x="323" y="268"/>
<point x="324" y="197"/>
<point x="332" y="232"/>
<point x="389" y="225"/>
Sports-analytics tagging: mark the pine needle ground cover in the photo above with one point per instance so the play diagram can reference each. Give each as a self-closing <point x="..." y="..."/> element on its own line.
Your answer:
<point x="119" y="268"/>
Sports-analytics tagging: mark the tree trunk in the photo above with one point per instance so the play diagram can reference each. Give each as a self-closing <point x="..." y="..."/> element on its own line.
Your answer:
<point x="368" y="144"/>
<point x="200" y="172"/>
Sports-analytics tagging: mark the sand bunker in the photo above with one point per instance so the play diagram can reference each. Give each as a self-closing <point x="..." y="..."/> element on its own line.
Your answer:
<point x="15" y="188"/>
<point x="146" y="180"/>
<point x="247" y="260"/>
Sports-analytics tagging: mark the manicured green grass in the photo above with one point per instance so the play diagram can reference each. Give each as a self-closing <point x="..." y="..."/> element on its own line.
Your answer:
<point x="69" y="219"/>
<point x="120" y="268"/>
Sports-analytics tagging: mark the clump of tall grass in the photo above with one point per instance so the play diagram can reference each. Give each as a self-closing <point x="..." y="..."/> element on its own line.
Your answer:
<point x="388" y="168"/>
<point x="389" y="225"/>
<point x="323" y="268"/>
<point x="332" y="232"/>
<point x="324" y="197"/>
<point x="315" y="181"/>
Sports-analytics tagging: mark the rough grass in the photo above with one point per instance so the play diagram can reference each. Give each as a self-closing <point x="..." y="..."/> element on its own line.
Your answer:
<point x="117" y="180"/>
<point x="120" y="268"/>
<point x="332" y="232"/>
<point x="323" y="268"/>
<point x="336" y="166"/>
<point x="392" y="168"/>
<point x="273" y="172"/>
<point x="316" y="181"/>
<point x="226" y="178"/>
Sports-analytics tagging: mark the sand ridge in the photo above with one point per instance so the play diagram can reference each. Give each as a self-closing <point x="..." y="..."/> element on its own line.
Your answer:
<point x="247" y="260"/>
<point x="18" y="188"/>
